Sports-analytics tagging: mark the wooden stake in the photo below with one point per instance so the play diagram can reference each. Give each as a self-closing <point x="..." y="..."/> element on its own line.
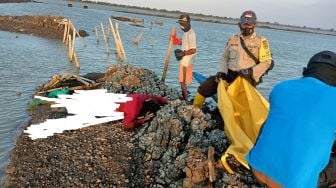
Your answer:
<point x="68" y="31"/>
<point x="170" y="47"/>
<point x="65" y="31"/>
<point x="106" y="44"/>
<point x="108" y="32"/>
<point x="76" y="60"/>
<point x="69" y="42"/>
<point x="211" y="164"/>
<point x="73" y="42"/>
<point x="72" y="88"/>
<point x="119" y="56"/>
<point x="137" y="39"/>
<point x="97" y="37"/>
<point x="120" y="43"/>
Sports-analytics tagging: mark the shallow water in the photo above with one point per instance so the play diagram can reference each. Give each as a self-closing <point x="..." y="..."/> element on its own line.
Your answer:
<point x="27" y="61"/>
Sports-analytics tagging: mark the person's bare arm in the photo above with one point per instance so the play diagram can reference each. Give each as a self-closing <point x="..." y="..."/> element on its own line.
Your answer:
<point x="190" y="51"/>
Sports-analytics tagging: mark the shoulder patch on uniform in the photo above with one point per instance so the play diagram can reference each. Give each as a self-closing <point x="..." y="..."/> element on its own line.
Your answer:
<point x="265" y="44"/>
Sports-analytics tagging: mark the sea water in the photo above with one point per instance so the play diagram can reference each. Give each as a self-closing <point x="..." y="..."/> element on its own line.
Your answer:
<point x="27" y="61"/>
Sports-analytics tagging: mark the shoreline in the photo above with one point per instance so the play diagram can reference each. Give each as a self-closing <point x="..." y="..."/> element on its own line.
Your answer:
<point x="47" y="26"/>
<point x="210" y="19"/>
<point x="16" y="1"/>
<point x="43" y="26"/>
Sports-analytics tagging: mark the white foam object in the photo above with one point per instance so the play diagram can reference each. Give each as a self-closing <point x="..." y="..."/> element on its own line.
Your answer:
<point x="85" y="106"/>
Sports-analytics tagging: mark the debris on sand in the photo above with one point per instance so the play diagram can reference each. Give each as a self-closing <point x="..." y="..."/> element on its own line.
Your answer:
<point x="70" y="82"/>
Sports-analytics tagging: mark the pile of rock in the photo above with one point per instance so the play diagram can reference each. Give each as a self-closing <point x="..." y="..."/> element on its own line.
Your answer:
<point x="124" y="78"/>
<point x="170" y="151"/>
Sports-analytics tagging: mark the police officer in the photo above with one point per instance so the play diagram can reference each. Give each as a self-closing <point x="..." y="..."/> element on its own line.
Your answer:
<point x="246" y="54"/>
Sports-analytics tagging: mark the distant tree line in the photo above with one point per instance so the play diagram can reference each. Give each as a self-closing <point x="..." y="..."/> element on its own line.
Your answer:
<point x="199" y="15"/>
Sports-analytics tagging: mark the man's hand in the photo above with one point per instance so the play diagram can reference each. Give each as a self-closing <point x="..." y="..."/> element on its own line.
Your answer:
<point x="248" y="75"/>
<point x="148" y="116"/>
<point x="246" y="72"/>
<point x="220" y="76"/>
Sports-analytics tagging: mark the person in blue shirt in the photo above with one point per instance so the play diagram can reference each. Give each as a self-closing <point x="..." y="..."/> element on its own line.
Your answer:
<point x="296" y="141"/>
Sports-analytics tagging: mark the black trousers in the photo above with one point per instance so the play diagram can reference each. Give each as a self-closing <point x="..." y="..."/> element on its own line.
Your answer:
<point x="209" y="86"/>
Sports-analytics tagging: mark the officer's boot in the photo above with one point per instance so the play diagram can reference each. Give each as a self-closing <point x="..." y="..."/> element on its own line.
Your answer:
<point x="198" y="100"/>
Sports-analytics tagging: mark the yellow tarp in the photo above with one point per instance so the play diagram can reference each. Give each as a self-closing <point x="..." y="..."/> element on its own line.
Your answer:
<point x="243" y="110"/>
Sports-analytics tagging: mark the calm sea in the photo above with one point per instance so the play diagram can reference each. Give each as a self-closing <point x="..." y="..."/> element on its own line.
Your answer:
<point x="27" y="61"/>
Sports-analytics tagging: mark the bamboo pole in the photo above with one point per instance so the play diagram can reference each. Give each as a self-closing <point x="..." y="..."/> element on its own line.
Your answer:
<point x="108" y="32"/>
<point x="65" y="32"/>
<point x="76" y="60"/>
<point x="137" y="39"/>
<point x="120" y="42"/>
<point x="170" y="47"/>
<point x="97" y="36"/>
<point x="119" y="56"/>
<point x="69" y="24"/>
<point x="70" y="43"/>
<point x="77" y="33"/>
<point x="72" y="88"/>
<point x="73" y="42"/>
<point x="106" y="44"/>
<point x="83" y="80"/>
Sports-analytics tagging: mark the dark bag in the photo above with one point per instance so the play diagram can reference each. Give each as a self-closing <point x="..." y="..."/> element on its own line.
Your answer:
<point x="179" y="54"/>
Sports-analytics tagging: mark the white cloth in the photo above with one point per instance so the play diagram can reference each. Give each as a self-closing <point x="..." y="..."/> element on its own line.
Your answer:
<point x="89" y="107"/>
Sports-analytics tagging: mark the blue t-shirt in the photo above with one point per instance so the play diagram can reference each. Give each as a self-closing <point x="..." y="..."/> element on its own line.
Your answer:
<point x="295" y="142"/>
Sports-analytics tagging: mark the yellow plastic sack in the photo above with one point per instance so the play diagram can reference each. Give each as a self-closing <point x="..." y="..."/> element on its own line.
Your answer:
<point x="243" y="110"/>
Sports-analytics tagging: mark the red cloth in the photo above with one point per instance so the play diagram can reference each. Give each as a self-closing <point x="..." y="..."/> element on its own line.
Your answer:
<point x="132" y="109"/>
<point x="175" y="39"/>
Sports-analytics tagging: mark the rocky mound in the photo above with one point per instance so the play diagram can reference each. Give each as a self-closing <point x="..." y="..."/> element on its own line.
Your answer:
<point x="173" y="151"/>
<point x="170" y="151"/>
<point x="123" y="78"/>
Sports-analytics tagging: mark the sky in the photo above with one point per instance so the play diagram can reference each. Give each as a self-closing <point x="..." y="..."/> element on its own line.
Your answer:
<point x="309" y="13"/>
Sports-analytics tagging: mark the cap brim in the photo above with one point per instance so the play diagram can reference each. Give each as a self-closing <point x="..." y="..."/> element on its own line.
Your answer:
<point x="181" y="21"/>
<point x="247" y="22"/>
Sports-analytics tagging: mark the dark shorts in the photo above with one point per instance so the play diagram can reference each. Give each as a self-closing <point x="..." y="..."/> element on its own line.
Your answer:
<point x="209" y="86"/>
<point x="328" y="175"/>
